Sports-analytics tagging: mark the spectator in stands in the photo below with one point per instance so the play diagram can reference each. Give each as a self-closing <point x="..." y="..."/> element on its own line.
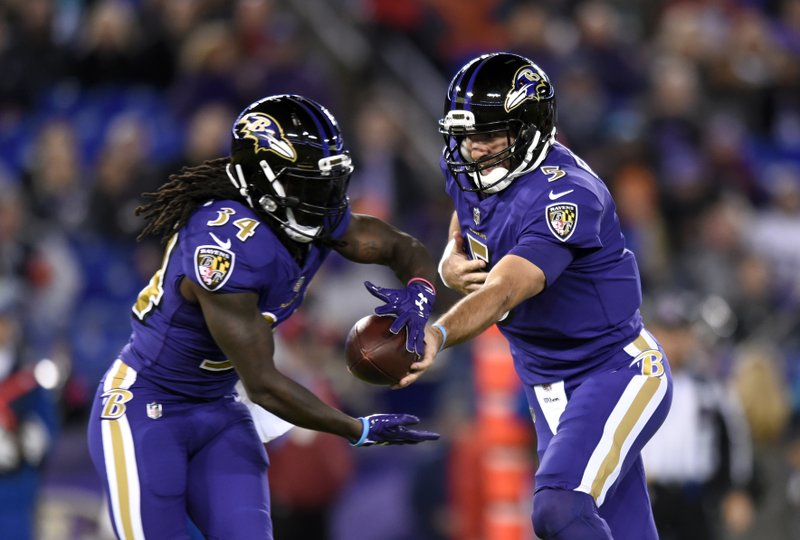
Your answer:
<point x="40" y="265"/>
<point x="121" y="174"/>
<point x="28" y="426"/>
<point x="31" y="60"/>
<point x="636" y="192"/>
<point x="701" y="460"/>
<point x="55" y="177"/>
<point x="758" y="379"/>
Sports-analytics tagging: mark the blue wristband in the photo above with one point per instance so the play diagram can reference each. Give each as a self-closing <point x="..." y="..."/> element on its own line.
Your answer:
<point x="364" y="432"/>
<point x="444" y="335"/>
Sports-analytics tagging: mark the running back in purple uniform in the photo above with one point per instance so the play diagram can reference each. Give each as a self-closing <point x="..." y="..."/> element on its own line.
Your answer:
<point x="224" y="248"/>
<point x="244" y="236"/>
<point x="536" y="246"/>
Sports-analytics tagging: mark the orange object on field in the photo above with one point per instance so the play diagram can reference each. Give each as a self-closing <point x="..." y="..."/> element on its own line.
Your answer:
<point x="506" y="522"/>
<point x="496" y="466"/>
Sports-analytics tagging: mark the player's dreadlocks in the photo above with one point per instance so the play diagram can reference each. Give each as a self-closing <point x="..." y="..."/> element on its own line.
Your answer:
<point x="174" y="201"/>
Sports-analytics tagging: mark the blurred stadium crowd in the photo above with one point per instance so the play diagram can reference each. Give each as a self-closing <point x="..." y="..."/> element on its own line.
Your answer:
<point x="690" y="110"/>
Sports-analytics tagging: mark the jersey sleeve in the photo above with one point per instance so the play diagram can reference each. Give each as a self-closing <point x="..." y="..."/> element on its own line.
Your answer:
<point x="225" y="248"/>
<point x="552" y="231"/>
<point x="341" y="227"/>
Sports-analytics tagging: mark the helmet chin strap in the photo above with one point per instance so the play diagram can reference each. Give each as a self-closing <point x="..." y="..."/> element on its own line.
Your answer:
<point x="297" y="232"/>
<point x="239" y="182"/>
<point x="542" y="154"/>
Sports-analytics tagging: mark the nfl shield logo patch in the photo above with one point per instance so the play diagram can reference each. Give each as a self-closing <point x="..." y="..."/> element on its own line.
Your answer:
<point x="213" y="266"/>
<point x="476" y="215"/>
<point x="562" y="219"/>
<point x="154" y="410"/>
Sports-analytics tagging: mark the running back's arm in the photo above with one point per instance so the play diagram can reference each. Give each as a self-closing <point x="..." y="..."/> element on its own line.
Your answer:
<point x="245" y="337"/>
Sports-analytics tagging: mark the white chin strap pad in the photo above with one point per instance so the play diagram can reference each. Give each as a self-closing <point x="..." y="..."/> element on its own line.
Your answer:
<point x="297" y="232"/>
<point x="497" y="180"/>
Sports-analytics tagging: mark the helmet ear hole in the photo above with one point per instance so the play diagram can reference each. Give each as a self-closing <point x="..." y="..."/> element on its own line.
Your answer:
<point x="268" y="203"/>
<point x="527" y="134"/>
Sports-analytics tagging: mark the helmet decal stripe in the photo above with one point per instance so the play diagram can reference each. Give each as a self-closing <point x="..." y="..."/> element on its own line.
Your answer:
<point x="323" y="132"/>
<point x="473" y="74"/>
<point x="453" y="92"/>
<point x="471" y="83"/>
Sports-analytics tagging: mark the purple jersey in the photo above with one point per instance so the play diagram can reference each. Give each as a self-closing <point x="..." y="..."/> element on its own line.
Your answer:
<point x="224" y="248"/>
<point x="561" y="217"/>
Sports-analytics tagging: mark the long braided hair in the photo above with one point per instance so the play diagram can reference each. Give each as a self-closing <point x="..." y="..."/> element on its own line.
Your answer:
<point x="173" y="203"/>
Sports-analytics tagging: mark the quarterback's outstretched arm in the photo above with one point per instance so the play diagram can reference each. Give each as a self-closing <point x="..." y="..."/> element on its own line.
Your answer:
<point x="510" y="282"/>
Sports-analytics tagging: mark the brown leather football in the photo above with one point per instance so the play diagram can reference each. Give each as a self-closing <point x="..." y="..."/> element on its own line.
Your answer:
<point x="374" y="354"/>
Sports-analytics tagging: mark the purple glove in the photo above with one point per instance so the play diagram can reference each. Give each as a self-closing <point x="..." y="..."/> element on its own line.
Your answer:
<point x="411" y="307"/>
<point x="386" y="429"/>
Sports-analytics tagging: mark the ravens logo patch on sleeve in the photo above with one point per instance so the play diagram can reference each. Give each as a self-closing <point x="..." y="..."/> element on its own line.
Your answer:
<point x="562" y="218"/>
<point x="213" y="266"/>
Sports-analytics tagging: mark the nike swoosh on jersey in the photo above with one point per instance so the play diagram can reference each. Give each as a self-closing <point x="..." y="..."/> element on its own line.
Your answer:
<point x="554" y="196"/>
<point x="224" y="245"/>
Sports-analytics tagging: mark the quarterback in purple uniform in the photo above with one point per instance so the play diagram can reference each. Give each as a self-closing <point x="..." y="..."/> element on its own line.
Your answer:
<point x="244" y="236"/>
<point x="536" y="247"/>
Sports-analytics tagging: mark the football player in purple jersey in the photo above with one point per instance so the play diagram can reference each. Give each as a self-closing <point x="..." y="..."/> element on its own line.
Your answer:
<point x="536" y="247"/>
<point x="244" y="235"/>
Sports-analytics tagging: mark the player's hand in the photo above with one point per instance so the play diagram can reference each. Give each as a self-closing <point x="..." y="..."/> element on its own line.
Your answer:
<point x="411" y="308"/>
<point x="386" y="429"/>
<point x="461" y="273"/>
<point x="433" y="344"/>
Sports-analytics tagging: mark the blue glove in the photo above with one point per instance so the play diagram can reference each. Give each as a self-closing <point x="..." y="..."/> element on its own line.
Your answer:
<point x="386" y="429"/>
<point x="411" y="307"/>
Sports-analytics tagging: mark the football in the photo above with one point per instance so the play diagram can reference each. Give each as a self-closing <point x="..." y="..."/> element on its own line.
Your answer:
<point x="374" y="354"/>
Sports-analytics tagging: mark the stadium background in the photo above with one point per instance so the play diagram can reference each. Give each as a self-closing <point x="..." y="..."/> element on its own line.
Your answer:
<point x="690" y="110"/>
